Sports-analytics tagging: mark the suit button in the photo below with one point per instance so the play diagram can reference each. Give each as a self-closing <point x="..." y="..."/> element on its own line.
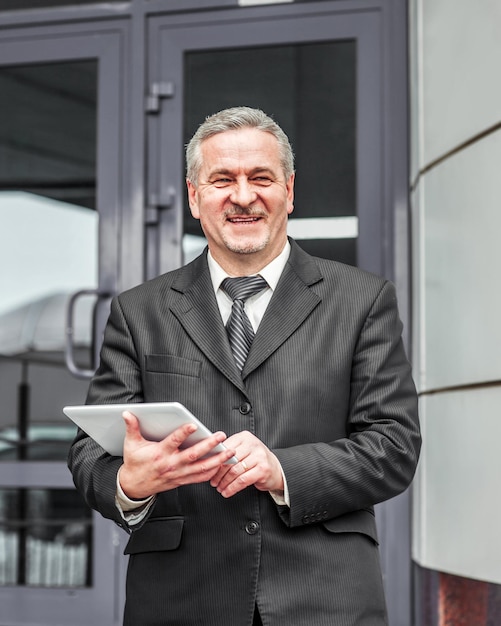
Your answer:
<point x="306" y="519"/>
<point x="251" y="528"/>
<point x="245" y="408"/>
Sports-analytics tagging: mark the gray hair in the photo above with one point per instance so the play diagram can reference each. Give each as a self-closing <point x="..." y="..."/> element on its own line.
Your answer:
<point x="234" y="119"/>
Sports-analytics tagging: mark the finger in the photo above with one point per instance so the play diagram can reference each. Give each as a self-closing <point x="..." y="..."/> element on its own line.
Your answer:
<point x="195" y="469"/>
<point x="205" y="449"/>
<point x="209" y="466"/>
<point x="178" y="437"/>
<point x="232" y="474"/>
<point x="186" y="455"/>
<point x="241" y="482"/>
<point x="219" y="476"/>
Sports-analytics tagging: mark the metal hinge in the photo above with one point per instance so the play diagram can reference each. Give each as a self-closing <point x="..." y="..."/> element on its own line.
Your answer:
<point x="158" y="92"/>
<point x="158" y="202"/>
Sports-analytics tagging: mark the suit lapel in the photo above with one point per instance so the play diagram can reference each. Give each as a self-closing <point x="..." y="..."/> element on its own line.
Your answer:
<point x="198" y="313"/>
<point x="292" y="302"/>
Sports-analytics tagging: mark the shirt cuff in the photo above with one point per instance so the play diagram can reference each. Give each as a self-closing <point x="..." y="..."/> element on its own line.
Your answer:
<point x="282" y="498"/>
<point x="132" y="511"/>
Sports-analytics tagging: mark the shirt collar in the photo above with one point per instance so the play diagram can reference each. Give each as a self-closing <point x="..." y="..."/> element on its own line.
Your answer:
<point x="271" y="272"/>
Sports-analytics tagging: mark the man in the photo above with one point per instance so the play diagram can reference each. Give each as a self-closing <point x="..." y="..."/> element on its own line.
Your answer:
<point x="321" y="415"/>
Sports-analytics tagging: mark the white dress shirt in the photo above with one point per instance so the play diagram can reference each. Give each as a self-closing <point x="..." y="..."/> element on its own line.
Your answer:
<point x="256" y="305"/>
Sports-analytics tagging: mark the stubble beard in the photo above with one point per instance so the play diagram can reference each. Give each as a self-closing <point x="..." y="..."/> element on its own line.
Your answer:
<point x="249" y="245"/>
<point x="246" y="247"/>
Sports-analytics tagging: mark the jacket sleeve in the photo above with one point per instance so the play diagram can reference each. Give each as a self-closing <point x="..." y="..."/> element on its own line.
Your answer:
<point x="117" y="380"/>
<point x="378" y="457"/>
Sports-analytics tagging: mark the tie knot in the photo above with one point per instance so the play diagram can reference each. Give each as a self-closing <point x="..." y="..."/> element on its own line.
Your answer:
<point x="243" y="287"/>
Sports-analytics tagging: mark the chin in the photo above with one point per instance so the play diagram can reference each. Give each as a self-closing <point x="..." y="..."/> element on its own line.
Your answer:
<point x="247" y="247"/>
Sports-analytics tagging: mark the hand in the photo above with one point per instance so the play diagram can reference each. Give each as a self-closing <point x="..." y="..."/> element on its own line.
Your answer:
<point x="257" y="466"/>
<point x="151" y="467"/>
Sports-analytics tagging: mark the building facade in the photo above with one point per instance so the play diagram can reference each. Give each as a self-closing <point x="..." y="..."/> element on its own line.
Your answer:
<point x="455" y="197"/>
<point x="393" y="116"/>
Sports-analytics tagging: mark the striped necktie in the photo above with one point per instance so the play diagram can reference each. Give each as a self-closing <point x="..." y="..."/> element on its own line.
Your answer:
<point x="238" y="327"/>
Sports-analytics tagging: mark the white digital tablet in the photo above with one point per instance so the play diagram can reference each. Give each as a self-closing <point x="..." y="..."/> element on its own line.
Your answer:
<point x="105" y="424"/>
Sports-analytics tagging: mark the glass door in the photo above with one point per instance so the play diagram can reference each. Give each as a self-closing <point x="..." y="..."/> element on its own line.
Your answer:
<point x="328" y="73"/>
<point x="317" y="72"/>
<point x="59" y="199"/>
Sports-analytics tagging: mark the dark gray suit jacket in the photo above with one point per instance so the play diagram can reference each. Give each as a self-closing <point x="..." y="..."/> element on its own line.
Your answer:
<point x="326" y="386"/>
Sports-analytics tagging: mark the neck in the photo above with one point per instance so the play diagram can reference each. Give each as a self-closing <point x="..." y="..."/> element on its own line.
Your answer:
<point x="240" y="264"/>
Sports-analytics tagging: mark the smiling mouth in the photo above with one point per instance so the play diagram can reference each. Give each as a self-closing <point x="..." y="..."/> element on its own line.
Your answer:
<point x="244" y="219"/>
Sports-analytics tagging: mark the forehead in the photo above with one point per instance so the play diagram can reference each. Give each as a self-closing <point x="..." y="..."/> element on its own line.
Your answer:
<point x="247" y="147"/>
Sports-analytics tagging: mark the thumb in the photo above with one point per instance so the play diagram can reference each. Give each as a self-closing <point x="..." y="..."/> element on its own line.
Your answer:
<point x="132" y="430"/>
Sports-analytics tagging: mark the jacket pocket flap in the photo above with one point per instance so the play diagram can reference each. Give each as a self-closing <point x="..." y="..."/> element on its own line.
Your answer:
<point x="170" y="364"/>
<point x="156" y="535"/>
<point x="356" y="522"/>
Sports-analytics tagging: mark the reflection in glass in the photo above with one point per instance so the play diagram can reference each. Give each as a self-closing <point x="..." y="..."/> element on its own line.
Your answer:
<point x="41" y="442"/>
<point x="48" y="240"/>
<point x="49" y="243"/>
<point x="310" y="89"/>
<point x="48" y="140"/>
<point x="45" y="538"/>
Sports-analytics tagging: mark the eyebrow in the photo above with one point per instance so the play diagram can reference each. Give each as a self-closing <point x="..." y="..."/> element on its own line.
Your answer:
<point x="253" y="172"/>
<point x="220" y="172"/>
<point x="262" y="170"/>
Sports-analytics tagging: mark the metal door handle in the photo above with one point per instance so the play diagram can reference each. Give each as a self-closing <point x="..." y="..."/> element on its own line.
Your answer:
<point x="69" y="352"/>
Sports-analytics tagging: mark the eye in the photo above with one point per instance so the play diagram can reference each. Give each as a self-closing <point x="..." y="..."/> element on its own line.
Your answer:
<point x="262" y="180"/>
<point x="221" y="182"/>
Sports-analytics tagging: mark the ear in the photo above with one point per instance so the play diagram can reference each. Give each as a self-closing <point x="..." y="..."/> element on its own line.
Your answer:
<point x="193" y="199"/>
<point x="289" y="185"/>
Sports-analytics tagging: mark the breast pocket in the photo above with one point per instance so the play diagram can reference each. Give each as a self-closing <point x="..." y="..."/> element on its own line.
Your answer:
<point x="171" y="364"/>
<point x="167" y="377"/>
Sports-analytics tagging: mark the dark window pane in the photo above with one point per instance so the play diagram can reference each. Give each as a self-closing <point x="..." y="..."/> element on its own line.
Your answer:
<point x="310" y="89"/>
<point x="49" y="242"/>
<point x="45" y="538"/>
<point x="49" y="148"/>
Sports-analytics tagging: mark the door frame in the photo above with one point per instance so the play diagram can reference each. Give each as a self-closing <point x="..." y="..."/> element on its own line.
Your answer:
<point x="380" y="27"/>
<point x="105" y="42"/>
<point x="170" y="36"/>
<point x="128" y="267"/>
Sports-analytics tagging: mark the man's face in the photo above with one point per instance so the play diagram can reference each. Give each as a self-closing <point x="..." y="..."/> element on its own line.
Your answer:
<point x="242" y="198"/>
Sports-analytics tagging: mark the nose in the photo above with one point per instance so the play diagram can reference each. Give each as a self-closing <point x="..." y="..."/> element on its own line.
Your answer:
<point x="242" y="193"/>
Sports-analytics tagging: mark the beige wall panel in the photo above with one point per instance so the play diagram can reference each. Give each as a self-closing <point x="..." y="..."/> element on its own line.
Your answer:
<point x="457" y="507"/>
<point x="460" y="49"/>
<point x="458" y="299"/>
